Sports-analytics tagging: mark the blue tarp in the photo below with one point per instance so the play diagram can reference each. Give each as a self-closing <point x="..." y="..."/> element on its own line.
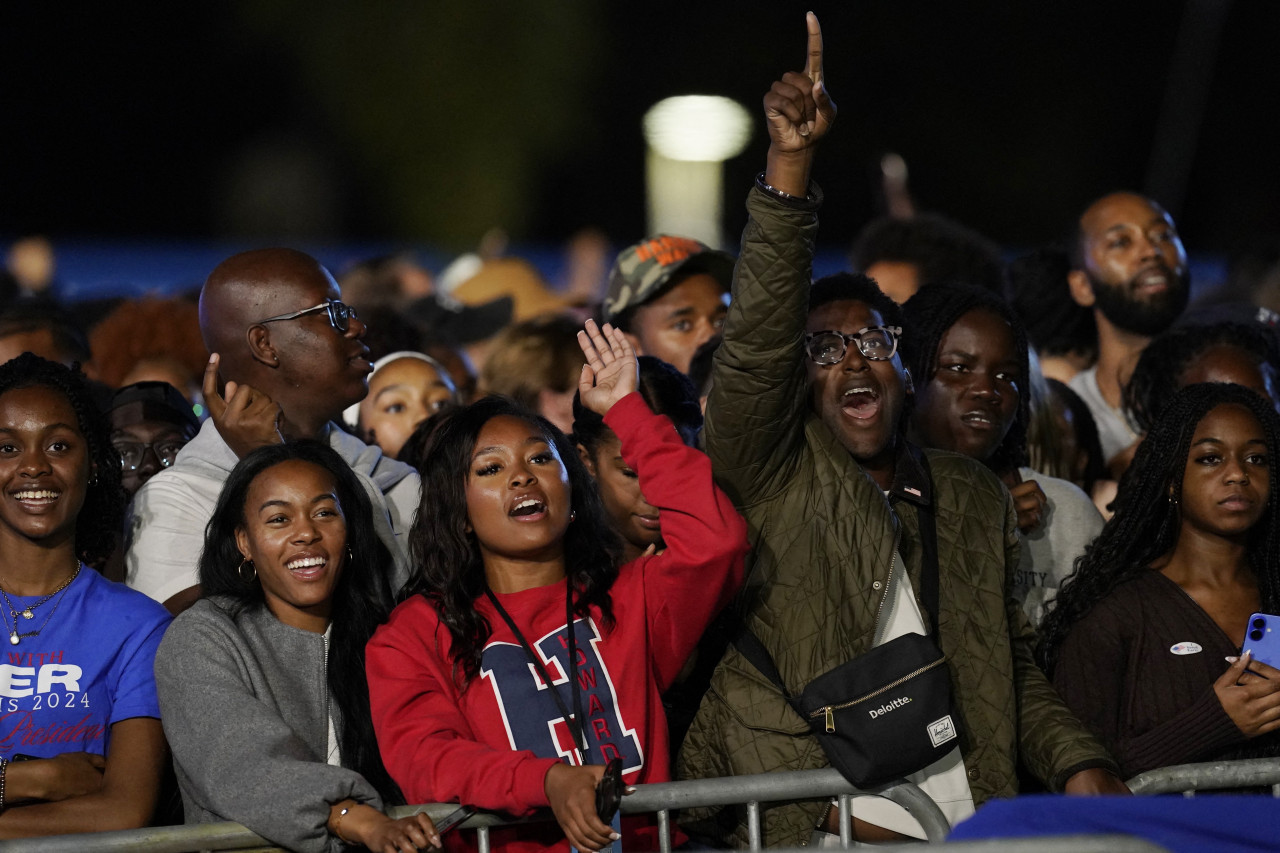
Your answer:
<point x="1207" y="823"/>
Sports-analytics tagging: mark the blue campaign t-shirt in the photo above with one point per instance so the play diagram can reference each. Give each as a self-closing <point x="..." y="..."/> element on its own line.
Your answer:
<point x="91" y="665"/>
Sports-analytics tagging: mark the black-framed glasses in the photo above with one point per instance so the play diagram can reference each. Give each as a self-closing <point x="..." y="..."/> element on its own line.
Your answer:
<point x="876" y="343"/>
<point x="133" y="452"/>
<point x="340" y="315"/>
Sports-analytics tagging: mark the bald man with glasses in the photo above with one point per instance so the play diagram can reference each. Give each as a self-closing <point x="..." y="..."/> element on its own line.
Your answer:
<point x="289" y="357"/>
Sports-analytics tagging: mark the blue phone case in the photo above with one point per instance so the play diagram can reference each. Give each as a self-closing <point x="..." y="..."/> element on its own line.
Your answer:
<point x="1262" y="638"/>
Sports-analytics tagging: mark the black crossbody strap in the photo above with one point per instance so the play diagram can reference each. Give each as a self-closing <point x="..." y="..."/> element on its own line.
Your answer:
<point x="758" y="656"/>
<point x="929" y="553"/>
<point x="574" y="720"/>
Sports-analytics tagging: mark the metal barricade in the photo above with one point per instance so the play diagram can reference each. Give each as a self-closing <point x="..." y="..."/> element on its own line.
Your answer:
<point x="1186" y="779"/>
<point x="661" y="799"/>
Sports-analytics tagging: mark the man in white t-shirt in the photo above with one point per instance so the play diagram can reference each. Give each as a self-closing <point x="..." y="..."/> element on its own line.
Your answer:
<point x="293" y="358"/>
<point x="1129" y="266"/>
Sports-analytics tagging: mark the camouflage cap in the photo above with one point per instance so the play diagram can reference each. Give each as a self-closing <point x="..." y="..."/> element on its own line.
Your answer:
<point x="645" y="268"/>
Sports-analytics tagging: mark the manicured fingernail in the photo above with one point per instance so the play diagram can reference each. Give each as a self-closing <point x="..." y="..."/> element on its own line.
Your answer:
<point x="631" y="789"/>
<point x="615" y="836"/>
<point x="1232" y="658"/>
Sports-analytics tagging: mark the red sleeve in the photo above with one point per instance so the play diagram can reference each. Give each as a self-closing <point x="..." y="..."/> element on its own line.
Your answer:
<point x="706" y="540"/>
<point x="424" y="731"/>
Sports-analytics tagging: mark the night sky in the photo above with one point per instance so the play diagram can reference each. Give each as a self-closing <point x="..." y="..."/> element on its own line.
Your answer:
<point x="426" y="123"/>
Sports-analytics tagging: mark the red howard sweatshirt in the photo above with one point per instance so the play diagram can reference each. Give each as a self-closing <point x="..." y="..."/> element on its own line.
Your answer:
<point x="490" y="744"/>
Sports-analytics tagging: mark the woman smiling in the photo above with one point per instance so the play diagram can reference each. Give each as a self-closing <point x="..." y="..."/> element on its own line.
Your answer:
<point x="81" y="747"/>
<point x="262" y="681"/>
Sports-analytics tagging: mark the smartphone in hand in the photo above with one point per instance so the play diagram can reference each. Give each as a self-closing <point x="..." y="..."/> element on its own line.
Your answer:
<point x="1262" y="638"/>
<point x="609" y="791"/>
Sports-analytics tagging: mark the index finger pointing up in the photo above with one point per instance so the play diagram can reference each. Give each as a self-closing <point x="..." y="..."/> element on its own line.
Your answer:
<point x="813" y="62"/>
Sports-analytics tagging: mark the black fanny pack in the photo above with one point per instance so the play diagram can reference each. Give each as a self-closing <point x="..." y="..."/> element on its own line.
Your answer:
<point x="887" y="713"/>
<point x="880" y="716"/>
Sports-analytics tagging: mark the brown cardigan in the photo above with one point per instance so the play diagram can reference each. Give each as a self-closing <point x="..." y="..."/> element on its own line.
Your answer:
<point x="1152" y="707"/>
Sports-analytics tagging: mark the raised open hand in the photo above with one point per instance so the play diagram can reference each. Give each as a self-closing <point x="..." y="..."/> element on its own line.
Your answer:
<point x="245" y="417"/>
<point x="797" y="108"/>
<point x="611" y="371"/>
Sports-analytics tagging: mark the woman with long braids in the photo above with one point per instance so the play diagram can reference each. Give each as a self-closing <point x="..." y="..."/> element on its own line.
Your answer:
<point x="515" y="553"/>
<point x="81" y="747"/>
<point x="262" y="681"/>
<point x="968" y="353"/>
<point x="1137" y="638"/>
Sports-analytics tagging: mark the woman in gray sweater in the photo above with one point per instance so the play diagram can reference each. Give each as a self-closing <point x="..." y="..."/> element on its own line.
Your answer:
<point x="262" y="687"/>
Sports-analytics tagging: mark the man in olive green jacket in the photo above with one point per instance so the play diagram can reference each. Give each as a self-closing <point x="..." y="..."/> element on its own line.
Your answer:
<point x="813" y="456"/>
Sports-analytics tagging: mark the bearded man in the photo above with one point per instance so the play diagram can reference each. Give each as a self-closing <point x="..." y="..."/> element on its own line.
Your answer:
<point x="1129" y="266"/>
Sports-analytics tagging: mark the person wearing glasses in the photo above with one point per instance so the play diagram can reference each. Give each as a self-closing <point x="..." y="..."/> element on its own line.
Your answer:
<point x="805" y="430"/>
<point x="150" y="423"/>
<point x="287" y="360"/>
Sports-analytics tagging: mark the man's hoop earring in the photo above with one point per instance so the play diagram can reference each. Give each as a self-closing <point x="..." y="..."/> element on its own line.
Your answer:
<point x="253" y="571"/>
<point x="573" y="515"/>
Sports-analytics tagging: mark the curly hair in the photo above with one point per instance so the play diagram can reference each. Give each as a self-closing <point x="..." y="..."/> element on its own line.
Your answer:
<point x="98" y="523"/>
<point x="940" y="248"/>
<point x="1158" y="373"/>
<point x="361" y="599"/>
<point x="667" y="391"/>
<point x="1145" y="525"/>
<point x="148" y="328"/>
<point x="930" y="313"/>
<point x="448" y="569"/>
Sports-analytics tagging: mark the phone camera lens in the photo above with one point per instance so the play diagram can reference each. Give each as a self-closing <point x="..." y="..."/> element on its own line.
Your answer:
<point x="1255" y="635"/>
<point x="1259" y="622"/>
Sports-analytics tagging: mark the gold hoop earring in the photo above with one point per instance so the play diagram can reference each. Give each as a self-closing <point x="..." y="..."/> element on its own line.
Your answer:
<point x="253" y="576"/>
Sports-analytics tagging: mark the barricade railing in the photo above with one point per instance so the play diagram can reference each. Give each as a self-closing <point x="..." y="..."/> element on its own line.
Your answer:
<point x="660" y="799"/>
<point x="1186" y="779"/>
<point x="752" y="791"/>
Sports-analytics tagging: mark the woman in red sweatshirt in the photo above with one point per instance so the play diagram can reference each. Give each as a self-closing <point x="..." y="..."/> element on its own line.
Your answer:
<point x="511" y="545"/>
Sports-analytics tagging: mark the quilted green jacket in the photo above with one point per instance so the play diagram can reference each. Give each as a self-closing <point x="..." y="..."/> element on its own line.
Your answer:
<point x="823" y="538"/>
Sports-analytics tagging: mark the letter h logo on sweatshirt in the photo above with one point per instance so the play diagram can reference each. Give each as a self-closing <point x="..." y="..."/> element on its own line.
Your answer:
<point x="530" y="713"/>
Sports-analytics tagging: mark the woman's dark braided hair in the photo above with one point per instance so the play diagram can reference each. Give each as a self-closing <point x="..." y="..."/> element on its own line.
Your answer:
<point x="933" y="310"/>
<point x="448" y="569"/>
<point x="1146" y="521"/>
<point x="362" y="597"/>
<point x="1158" y="373"/>
<point x="99" y="520"/>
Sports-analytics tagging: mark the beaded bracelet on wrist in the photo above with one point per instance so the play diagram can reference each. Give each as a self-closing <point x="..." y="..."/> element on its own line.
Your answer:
<point x="811" y="200"/>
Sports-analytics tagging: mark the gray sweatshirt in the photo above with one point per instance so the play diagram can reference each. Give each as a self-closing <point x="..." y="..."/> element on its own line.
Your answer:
<point x="244" y="702"/>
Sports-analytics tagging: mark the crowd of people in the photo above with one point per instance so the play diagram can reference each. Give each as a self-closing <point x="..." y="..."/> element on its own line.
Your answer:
<point x="387" y="539"/>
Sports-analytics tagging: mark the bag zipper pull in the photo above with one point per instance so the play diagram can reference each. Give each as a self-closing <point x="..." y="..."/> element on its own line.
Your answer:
<point x="831" y="720"/>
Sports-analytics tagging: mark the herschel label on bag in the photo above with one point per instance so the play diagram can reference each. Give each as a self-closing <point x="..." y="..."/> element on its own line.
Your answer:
<point x="941" y="731"/>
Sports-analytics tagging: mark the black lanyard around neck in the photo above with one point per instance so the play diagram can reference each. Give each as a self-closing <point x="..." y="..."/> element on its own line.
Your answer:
<point x="574" y="720"/>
